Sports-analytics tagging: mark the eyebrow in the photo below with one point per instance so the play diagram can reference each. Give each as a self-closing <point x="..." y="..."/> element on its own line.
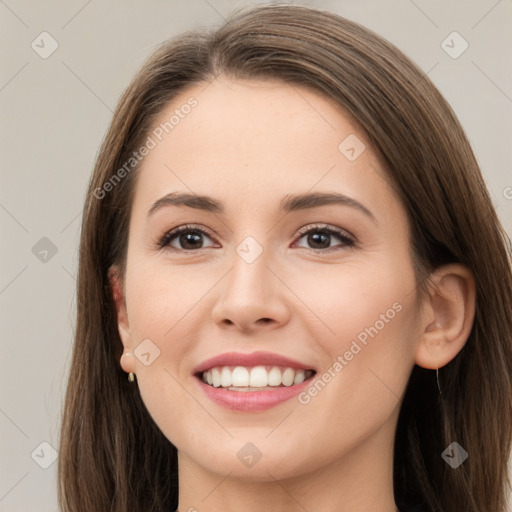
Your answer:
<point x="290" y="203"/>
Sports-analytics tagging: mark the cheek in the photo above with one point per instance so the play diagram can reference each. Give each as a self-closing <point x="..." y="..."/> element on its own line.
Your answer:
<point x="161" y="299"/>
<point x="368" y="363"/>
<point x="367" y="333"/>
<point x="162" y="308"/>
<point x="371" y="315"/>
<point x="346" y="299"/>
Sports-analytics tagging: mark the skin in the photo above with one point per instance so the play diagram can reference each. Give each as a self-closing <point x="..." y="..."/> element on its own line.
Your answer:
<point x="248" y="144"/>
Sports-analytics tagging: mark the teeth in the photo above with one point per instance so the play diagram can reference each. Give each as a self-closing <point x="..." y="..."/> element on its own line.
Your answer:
<point x="226" y="379"/>
<point x="258" y="377"/>
<point x="216" y="377"/>
<point x="274" y="377"/>
<point x="300" y="376"/>
<point x="242" y="378"/>
<point x="288" y="376"/>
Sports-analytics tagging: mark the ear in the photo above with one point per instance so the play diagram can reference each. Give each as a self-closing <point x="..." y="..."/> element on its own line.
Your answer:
<point x="447" y="316"/>
<point x="123" y="326"/>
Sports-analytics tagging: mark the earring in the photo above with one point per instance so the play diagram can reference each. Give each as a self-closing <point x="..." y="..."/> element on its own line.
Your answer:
<point x="131" y="377"/>
<point x="437" y="378"/>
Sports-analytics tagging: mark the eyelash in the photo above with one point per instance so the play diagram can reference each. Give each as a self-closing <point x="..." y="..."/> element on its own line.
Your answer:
<point x="347" y="241"/>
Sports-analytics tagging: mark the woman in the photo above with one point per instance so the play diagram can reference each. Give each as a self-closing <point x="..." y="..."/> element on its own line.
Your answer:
<point x="288" y="246"/>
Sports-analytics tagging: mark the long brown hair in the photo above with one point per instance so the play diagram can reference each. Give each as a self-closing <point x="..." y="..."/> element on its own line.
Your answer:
<point x="112" y="455"/>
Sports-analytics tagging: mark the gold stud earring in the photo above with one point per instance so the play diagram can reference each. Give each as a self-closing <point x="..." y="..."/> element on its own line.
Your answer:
<point x="131" y="377"/>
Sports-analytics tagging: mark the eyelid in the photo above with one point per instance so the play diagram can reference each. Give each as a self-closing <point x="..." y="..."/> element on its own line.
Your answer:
<point x="327" y="227"/>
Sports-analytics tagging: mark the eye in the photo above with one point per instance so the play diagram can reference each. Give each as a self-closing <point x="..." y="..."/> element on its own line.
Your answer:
<point x="320" y="236"/>
<point x="188" y="237"/>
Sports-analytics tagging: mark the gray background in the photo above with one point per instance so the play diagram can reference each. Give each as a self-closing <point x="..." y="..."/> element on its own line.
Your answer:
<point x="55" y="111"/>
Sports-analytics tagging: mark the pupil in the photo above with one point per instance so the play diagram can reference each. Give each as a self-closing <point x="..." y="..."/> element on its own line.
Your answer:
<point x="186" y="239"/>
<point x="316" y="238"/>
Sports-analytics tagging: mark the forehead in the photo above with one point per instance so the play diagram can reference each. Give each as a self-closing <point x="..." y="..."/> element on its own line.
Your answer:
<point x="248" y="116"/>
<point x="254" y="140"/>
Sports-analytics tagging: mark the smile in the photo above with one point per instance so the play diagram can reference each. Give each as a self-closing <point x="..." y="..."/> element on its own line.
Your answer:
<point x="257" y="378"/>
<point x="252" y="382"/>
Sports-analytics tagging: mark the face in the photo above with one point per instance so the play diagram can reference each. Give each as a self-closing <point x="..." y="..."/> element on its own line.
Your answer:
<point x="301" y="315"/>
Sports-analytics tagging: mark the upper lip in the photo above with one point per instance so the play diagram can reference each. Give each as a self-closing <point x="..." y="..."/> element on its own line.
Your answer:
<point x="252" y="359"/>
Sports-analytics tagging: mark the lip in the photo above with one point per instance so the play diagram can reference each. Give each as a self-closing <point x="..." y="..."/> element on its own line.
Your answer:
<point x="251" y="401"/>
<point x="249" y="360"/>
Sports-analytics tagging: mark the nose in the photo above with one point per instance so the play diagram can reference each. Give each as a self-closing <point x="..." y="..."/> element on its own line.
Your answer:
<point x="252" y="297"/>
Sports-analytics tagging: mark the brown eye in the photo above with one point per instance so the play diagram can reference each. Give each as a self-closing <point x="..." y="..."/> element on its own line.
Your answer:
<point x="188" y="238"/>
<point x="319" y="238"/>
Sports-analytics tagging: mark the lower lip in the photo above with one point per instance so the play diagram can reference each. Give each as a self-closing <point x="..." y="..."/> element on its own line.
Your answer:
<point x="252" y="400"/>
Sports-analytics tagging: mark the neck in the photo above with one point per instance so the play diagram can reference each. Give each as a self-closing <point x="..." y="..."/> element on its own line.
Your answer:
<point x="361" y="479"/>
